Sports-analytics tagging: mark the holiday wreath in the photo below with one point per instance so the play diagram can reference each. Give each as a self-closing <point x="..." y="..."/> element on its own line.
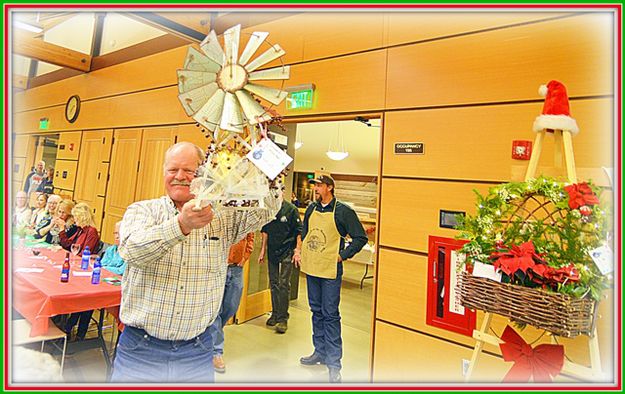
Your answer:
<point x="537" y="234"/>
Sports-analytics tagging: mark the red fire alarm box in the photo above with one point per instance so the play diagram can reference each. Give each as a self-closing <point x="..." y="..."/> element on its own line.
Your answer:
<point x="521" y="150"/>
<point x="443" y="299"/>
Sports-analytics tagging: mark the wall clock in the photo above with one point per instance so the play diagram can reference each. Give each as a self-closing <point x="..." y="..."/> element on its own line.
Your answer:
<point x="72" y="108"/>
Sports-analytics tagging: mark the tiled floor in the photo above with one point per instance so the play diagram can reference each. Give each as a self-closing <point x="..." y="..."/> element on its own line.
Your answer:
<point x="255" y="353"/>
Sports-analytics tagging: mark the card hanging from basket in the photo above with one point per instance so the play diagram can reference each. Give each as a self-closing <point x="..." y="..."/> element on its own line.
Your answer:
<point x="223" y="92"/>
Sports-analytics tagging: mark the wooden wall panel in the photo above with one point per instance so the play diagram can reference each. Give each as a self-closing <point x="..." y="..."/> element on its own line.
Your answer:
<point x="19" y="171"/>
<point x="285" y="32"/>
<point x="191" y="133"/>
<point x="154" y="144"/>
<point x="65" y="174"/>
<point x="401" y="25"/>
<point x="459" y="144"/>
<point x="20" y="145"/>
<point x="69" y="146"/>
<point x="146" y="73"/>
<point x="503" y="65"/>
<point x="409" y="210"/>
<point x="350" y="83"/>
<point x="158" y="106"/>
<point x="402" y="355"/>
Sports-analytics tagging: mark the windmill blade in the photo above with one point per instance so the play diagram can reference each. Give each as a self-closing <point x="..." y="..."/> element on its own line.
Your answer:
<point x="196" y="61"/>
<point x="253" y="111"/>
<point x="194" y="99"/>
<point x="210" y="46"/>
<point x="189" y="80"/>
<point x="255" y="41"/>
<point x="210" y="113"/>
<point x="280" y="72"/>
<point x="231" y="43"/>
<point x="231" y="117"/>
<point x="270" y="54"/>
<point x="274" y="96"/>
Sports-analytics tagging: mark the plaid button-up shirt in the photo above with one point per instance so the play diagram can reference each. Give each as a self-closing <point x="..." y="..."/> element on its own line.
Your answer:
<point x="174" y="283"/>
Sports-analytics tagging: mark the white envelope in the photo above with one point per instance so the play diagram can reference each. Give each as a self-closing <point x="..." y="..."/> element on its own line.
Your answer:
<point x="488" y="271"/>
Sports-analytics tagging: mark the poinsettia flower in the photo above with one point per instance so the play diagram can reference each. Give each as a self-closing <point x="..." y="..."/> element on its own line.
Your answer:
<point x="581" y="194"/>
<point x="519" y="257"/>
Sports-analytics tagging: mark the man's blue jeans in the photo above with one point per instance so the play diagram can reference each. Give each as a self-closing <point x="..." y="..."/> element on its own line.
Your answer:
<point x="280" y="285"/>
<point x="229" y="306"/>
<point x="324" y="296"/>
<point x="144" y="358"/>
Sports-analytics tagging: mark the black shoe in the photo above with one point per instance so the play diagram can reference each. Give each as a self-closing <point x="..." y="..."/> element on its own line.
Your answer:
<point x="281" y="327"/>
<point x="334" y="375"/>
<point x="271" y="321"/>
<point x="313" y="359"/>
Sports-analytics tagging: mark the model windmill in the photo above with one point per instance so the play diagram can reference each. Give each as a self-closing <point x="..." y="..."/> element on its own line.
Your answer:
<point x="221" y="91"/>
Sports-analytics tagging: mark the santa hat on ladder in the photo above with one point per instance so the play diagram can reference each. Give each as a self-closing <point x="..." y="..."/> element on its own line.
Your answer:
<point x="556" y="114"/>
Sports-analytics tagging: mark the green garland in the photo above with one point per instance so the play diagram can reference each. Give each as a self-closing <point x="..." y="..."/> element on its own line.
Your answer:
<point x="564" y="239"/>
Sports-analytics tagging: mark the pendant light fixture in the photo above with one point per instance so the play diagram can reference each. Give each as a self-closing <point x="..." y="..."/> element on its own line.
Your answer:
<point x="337" y="152"/>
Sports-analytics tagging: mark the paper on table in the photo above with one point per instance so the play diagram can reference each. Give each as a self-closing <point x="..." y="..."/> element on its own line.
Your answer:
<point x="29" y="270"/>
<point x="81" y="273"/>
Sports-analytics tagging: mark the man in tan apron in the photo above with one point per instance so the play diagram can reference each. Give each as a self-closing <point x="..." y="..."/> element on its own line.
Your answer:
<point x="327" y="222"/>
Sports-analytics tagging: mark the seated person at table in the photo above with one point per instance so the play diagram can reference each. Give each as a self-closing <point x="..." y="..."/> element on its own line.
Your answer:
<point x="40" y="213"/>
<point x="43" y="226"/>
<point x="111" y="260"/>
<point x="62" y="222"/>
<point x="22" y="212"/>
<point x="86" y="233"/>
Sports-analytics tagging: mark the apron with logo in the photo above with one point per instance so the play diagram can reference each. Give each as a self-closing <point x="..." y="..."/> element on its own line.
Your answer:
<point x="320" y="248"/>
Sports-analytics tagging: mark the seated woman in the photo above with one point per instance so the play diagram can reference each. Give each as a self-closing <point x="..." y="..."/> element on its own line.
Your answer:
<point x="42" y="228"/>
<point x="63" y="222"/>
<point x="111" y="260"/>
<point x="40" y="213"/>
<point x="85" y="235"/>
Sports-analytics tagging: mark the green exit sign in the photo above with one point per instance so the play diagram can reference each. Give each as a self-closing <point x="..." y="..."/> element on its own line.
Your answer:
<point x="300" y="99"/>
<point x="44" y="123"/>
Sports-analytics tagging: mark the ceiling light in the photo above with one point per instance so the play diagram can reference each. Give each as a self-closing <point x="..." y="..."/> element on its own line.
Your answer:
<point x="27" y="26"/>
<point x="337" y="156"/>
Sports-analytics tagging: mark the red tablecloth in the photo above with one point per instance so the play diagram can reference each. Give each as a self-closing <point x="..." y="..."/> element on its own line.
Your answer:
<point x="40" y="295"/>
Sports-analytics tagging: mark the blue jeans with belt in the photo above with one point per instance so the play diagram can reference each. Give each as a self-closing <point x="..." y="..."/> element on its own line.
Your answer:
<point x="324" y="296"/>
<point x="141" y="357"/>
<point x="229" y="306"/>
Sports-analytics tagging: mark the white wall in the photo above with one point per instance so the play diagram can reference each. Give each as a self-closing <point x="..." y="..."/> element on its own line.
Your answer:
<point x="362" y="143"/>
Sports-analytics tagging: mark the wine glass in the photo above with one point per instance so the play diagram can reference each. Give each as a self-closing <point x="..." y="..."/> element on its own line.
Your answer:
<point x="75" y="249"/>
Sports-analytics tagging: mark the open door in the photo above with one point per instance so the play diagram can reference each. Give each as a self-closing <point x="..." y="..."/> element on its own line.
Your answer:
<point x="256" y="297"/>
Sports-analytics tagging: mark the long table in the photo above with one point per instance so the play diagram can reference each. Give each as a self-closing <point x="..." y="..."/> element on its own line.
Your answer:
<point x="38" y="293"/>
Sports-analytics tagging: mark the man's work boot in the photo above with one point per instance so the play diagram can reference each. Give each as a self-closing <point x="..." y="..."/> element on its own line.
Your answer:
<point x="281" y="327"/>
<point x="218" y="363"/>
<point x="313" y="359"/>
<point x="271" y="321"/>
<point x="334" y="375"/>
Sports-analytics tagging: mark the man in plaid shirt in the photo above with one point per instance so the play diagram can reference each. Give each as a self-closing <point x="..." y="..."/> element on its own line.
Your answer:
<point x="172" y="289"/>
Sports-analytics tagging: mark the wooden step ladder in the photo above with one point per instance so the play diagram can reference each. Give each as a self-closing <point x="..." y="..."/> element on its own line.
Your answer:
<point x="563" y="146"/>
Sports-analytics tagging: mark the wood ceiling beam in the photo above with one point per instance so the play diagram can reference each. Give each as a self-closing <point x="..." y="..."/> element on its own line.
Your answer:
<point x="33" y="48"/>
<point x="175" y="27"/>
<point x="20" y="82"/>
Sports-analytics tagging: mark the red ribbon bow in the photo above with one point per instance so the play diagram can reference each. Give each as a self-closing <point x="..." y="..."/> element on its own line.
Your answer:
<point x="543" y="363"/>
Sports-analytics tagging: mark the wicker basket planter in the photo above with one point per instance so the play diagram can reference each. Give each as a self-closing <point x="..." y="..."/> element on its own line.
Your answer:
<point x="557" y="313"/>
